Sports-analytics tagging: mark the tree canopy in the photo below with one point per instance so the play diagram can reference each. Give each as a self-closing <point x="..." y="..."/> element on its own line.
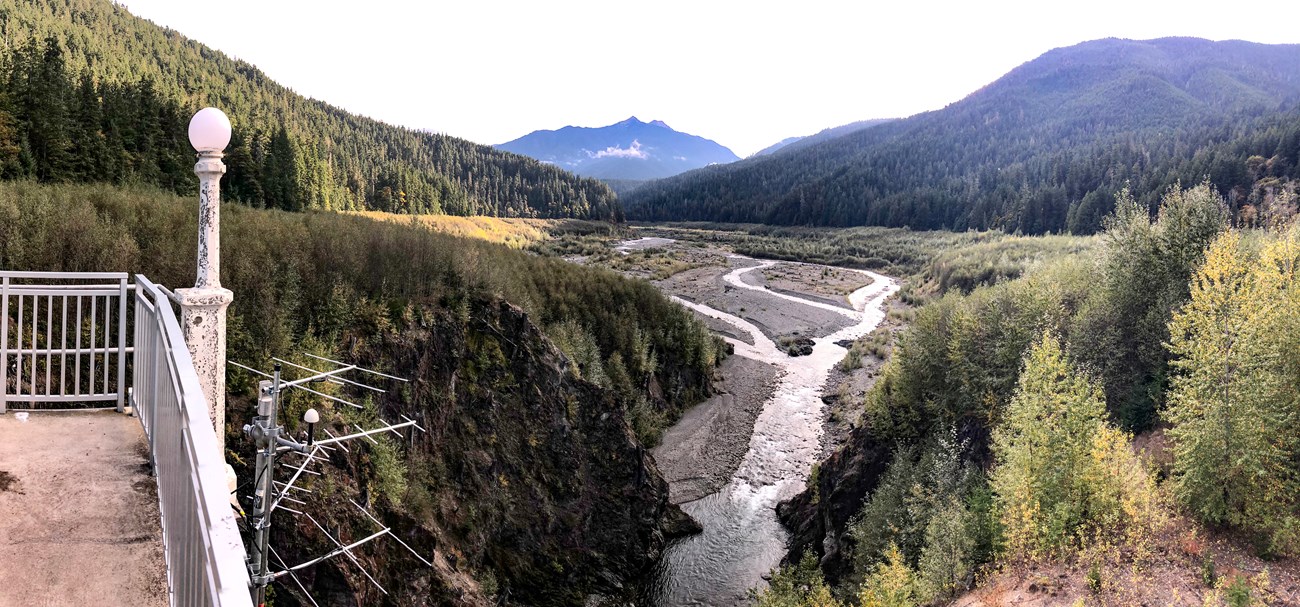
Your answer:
<point x="93" y="93"/>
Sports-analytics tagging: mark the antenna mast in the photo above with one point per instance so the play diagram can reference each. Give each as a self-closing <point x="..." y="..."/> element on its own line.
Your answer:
<point x="272" y="441"/>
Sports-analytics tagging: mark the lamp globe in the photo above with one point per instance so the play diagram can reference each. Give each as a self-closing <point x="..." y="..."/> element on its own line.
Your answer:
<point x="209" y="130"/>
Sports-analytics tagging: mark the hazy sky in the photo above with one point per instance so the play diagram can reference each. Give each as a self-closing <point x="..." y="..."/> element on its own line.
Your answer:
<point x="745" y="74"/>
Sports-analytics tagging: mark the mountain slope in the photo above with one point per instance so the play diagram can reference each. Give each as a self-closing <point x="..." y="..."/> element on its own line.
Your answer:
<point x="324" y="157"/>
<point x="771" y="149"/>
<point x="628" y="150"/>
<point x="794" y="143"/>
<point x="1041" y="149"/>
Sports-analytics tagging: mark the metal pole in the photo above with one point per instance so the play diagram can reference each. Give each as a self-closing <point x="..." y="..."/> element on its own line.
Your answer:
<point x="264" y="432"/>
<point x="4" y="343"/>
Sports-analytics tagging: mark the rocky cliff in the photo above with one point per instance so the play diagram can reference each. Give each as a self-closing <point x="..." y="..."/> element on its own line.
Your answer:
<point x="818" y="517"/>
<point x="529" y="487"/>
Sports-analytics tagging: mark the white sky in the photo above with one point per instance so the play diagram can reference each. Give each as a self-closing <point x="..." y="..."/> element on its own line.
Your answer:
<point x="743" y="73"/>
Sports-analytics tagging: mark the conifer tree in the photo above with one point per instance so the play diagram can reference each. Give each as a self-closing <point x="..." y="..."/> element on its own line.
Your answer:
<point x="1235" y="399"/>
<point x="1062" y="469"/>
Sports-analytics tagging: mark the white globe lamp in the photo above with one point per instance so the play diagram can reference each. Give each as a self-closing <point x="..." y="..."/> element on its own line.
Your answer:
<point x="210" y="130"/>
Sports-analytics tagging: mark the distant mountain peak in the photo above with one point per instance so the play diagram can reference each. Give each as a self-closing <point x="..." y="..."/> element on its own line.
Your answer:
<point x="627" y="150"/>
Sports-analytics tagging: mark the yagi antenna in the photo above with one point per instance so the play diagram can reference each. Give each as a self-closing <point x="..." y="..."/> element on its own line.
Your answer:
<point x="273" y="442"/>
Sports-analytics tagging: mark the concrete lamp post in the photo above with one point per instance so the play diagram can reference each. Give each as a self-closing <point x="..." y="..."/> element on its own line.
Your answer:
<point x="203" y="308"/>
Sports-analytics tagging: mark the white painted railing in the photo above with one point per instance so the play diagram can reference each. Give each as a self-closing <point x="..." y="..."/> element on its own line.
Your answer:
<point x="62" y="341"/>
<point x="205" y="555"/>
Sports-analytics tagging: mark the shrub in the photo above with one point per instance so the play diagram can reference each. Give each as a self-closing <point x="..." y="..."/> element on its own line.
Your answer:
<point x="891" y="584"/>
<point x="926" y="508"/>
<point x="947" y="560"/>
<point x="800" y="585"/>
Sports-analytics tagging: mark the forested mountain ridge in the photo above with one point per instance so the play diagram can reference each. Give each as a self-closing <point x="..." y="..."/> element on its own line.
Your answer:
<point x="1043" y="148"/>
<point x="287" y="151"/>
<point x="631" y="150"/>
<point x="794" y="143"/>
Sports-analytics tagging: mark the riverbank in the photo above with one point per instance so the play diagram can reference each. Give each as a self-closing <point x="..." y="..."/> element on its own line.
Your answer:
<point x="732" y="459"/>
<point x="701" y="452"/>
<point x="847" y="385"/>
<point x="767" y="309"/>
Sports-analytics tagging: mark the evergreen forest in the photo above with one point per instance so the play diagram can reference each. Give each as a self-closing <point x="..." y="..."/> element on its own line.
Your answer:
<point x="81" y="105"/>
<point x="1046" y="148"/>
<point x="1104" y="415"/>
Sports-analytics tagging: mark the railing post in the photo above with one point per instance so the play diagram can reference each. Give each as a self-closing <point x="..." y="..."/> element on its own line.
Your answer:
<point x="206" y="558"/>
<point x="121" y="346"/>
<point x="4" y="344"/>
<point x="156" y="348"/>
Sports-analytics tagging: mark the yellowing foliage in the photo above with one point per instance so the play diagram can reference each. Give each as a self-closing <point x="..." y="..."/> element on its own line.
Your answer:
<point x="512" y="232"/>
<point x="1234" y="399"/>
<point x="892" y="584"/>
<point x="1063" y="471"/>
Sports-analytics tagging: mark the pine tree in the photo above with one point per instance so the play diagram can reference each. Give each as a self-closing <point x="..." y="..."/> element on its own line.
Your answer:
<point x="44" y="102"/>
<point x="89" y="157"/>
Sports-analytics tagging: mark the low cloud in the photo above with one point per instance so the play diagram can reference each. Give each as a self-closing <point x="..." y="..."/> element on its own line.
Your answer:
<point x="631" y="151"/>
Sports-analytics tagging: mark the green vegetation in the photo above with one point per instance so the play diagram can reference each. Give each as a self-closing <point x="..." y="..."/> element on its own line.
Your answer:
<point x="1236" y="390"/>
<point x="1004" y="406"/>
<point x="315" y="276"/>
<point x="1046" y="148"/>
<point x="994" y="260"/>
<point x="1064" y="475"/>
<point x="530" y="473"/>
<point x="925" y="520"/>
<point x="94" y="93"/>
<point x="896" y="251"/>
<point x="1145" y="276"/>
<point x="934" y="262"/>
<point x="800" y="585"/>
<point x="877" y="343"/>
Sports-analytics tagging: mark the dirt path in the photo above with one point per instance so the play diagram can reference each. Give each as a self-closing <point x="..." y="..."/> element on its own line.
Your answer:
<point x="79" y="520"/>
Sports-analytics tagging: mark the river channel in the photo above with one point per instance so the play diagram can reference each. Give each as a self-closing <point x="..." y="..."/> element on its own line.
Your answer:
<point x="742" y="538"/>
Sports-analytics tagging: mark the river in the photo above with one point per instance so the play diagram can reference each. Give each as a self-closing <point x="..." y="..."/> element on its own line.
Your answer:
<point x="742" y="538"/>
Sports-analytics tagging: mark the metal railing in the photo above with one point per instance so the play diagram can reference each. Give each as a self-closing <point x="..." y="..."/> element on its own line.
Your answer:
<point x="69" y="338"/>
<point x="205" y="556"/>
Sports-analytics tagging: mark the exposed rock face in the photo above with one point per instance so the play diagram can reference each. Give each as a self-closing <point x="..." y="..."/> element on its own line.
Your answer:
<point x="818" y="517"/>
<point x="529" y="484"/>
